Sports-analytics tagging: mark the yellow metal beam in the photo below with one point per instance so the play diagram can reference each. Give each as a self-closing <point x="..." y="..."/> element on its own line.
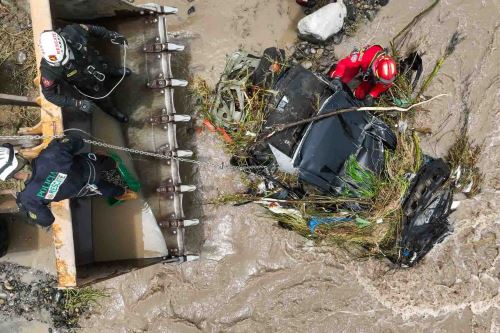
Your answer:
<point x="51" y="124"/>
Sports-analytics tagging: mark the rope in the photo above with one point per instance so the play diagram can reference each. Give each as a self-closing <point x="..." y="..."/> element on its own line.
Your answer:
<point x="281" y="127"/>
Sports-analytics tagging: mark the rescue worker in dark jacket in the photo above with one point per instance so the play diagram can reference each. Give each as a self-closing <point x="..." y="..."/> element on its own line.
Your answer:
<point x="60" y="173"/>
<point x="68" y="57"/>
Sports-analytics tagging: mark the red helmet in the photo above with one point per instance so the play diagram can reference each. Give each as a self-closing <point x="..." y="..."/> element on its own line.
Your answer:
<point x="384" y="69"/>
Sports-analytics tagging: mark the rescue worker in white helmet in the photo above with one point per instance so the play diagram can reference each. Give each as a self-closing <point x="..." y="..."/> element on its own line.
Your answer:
<point x="58" y="173"/>
<point x="69" y="58"/>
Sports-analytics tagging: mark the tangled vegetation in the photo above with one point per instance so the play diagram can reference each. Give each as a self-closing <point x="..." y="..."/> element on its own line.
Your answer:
<point x="367" y="219"/>
<point x="18" y="68"/>
<point x="16" y="45"/>
<point x="79" y="301"/>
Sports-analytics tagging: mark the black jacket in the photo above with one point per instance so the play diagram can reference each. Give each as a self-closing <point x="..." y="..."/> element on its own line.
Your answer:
<point x="75" y="72"/>
<point x="58" y="173"/>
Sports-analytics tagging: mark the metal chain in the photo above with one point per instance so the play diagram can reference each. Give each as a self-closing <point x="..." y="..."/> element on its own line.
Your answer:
<point x="135" y="151"/>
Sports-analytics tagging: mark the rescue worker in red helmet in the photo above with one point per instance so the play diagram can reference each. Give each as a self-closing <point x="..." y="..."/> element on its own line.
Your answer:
<point x="372" y="66"/>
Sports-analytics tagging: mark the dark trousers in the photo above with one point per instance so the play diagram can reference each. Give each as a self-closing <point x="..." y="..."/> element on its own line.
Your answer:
<point x="109" y="190"/>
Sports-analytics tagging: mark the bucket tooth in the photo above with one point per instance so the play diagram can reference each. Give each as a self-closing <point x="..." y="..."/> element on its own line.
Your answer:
<point x="181" y="118"/>
<point x="152" y="8"/>
<point x="169" y="10"/>
<point x="178" y="223"/>
<point x="169" y="118"/>
<point x="175" y="47"/>
<point x="191" y="257"/>
<point x="163" y="47"/>
<point x="183" y="153"/>
<point x="162" y="83"/>
<point x="191" y="223"/>
<point x="168" y="189"/>
<point x="178" y="83"/>
<point x="186" y="188"/>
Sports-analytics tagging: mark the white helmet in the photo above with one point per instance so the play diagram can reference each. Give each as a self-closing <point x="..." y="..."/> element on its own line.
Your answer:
<point x="8" y="161"/>
<point x="54" y="48"/>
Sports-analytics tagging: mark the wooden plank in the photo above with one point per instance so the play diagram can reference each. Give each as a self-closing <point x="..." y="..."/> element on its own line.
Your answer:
<point x="6" y="99"/>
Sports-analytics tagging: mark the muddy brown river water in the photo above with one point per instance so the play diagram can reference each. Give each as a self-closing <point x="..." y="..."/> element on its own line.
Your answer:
<point x="256" y="277"/>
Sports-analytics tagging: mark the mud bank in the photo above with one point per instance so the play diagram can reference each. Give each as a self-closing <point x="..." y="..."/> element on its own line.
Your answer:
<point x="256" y="277"/>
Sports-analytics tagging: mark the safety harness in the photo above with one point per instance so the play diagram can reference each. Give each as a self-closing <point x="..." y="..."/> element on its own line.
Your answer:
<point x="366" y="75"/>
<point x="78" y="44"/>
<point x="90" y="189"/>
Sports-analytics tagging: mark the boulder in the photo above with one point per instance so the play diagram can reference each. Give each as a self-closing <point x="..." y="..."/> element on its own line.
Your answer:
<point x="323" y="23"/>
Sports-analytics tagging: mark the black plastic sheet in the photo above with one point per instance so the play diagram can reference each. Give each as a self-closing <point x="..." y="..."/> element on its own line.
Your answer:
<point x="425" y="211"/>
<point x="330" y="142"/>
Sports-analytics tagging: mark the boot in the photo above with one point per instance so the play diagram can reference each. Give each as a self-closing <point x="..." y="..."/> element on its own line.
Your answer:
<point x="127" y="196"/>
<point x="118" y="72"/>
<point x="121" y="117"/>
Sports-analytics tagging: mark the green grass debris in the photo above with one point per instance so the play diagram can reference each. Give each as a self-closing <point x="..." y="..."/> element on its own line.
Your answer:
<point x="80" y="301"/>
<point x="464" y="155"/>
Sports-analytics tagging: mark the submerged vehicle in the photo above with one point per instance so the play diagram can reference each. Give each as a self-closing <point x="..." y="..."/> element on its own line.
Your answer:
<point x="317" y="151"/>
<point x="95" y="239"/>
<point x="321" y="152"/>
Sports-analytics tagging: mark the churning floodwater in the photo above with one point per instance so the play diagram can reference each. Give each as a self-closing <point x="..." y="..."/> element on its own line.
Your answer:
<point x="256" y="277"/>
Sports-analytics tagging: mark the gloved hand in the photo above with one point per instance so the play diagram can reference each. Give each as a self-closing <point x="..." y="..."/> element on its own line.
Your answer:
<point x="369" y="101"/>
<point x="116" y="38"/>
<point x="336" y="84"/>
<point x="86" y="106"/>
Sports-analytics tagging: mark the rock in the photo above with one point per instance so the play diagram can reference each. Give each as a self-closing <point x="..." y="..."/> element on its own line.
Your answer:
<point x="351" y="11"/>
<point x="337" y="39"/>
<point x="7" y="286"/>
<point x="20" y="58"/>
<point x="307" y="64"/>
<point x="370" y="14"/>
<point x="324" y="22"/>
<point x="302" y="46"/>
<point x="325" y="62"/>
<point x="3" y="296"/>
<point x="298" y="56"/>
<point x="313" y="51"/>
<point x="319" y="52"/>
<point x="383" y="2"/>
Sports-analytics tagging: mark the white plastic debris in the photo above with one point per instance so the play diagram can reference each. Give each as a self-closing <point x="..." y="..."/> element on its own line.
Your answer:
<point x="380" y="220"/>
<point x="262" y="187"/>
<point x="325" y="22"/>
<point x="455" y="204"/>
<point x="402" y="126"/>
<point x="456" y="174"/>
<point x="251" y="134"/>
<point x="468" y="187"/>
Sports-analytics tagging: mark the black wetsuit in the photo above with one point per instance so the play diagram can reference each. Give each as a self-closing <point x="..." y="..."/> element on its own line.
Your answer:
<point x="87" y="71"/>
<point x="59" y="173"/>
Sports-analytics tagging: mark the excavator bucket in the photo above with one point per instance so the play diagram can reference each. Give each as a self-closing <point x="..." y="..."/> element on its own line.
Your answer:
<point x="94" y="240"/>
